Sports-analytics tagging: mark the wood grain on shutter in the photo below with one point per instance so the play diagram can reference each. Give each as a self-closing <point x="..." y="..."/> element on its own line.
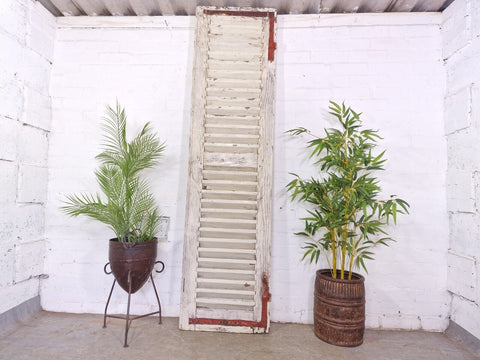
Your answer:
<point x="227" y="239"/>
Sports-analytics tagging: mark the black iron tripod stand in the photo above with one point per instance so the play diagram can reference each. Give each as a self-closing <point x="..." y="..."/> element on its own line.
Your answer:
<point x="127" y="317"/>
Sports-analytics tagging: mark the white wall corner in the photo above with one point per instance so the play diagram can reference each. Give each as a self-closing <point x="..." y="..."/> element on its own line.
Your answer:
<point x="16" y="294"/>
<point x="462" y="275"/>
<point x="466" y="314"/>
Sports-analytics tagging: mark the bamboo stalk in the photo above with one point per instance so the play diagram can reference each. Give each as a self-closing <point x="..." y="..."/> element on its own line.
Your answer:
<point x="334" y="255"/>
<point x="350" y="268"/>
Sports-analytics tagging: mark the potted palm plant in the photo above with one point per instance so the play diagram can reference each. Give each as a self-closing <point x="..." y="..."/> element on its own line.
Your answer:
<point x="127" y="206"/>
<point x="345" y="221"/>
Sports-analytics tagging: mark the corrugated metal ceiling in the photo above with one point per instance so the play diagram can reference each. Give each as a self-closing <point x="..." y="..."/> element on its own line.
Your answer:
<point x="187" y="7"/>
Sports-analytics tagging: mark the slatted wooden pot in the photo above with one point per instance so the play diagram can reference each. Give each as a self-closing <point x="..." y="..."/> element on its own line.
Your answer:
<point x="138" y="258"/>
<point x="339" y="309"/>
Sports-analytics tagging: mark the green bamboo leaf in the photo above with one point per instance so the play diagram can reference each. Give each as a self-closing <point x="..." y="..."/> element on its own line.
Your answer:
<point x="343" y="209"/>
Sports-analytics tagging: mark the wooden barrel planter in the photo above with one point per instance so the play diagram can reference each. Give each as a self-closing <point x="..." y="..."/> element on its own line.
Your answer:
<point x="136" y="258"/>
<point x="339" y="309"/>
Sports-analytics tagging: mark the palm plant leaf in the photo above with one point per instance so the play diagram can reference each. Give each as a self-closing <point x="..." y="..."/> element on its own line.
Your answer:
<point x="129" y="207"/>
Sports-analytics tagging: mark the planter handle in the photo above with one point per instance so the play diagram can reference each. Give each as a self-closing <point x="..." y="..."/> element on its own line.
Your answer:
<point x="163" y="266"/>
<point x="105" y="269"/>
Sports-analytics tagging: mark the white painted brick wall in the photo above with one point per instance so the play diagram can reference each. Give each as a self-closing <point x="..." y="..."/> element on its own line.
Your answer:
<point x="8" y="169"/>
<point x="465" y="313"/>
<point x="464" y="232"/>
<point x="460" y="188"/>
<point x="462" y="275"/>
<point x="474" y="14"/>
<point x="389" y="66"/>
<point x="456" y="26"/>
<point x="148" y="71"/>
<point x="457" y="110"/>
<point x="384" y="72"/>
<point x="29" y="260"/>
<point x="14" y="18"/>
<point x="41" y="33"/>
<point x="27" y="33"/>
<point x="29" y="221"/>
<point x="32" y="146"/>
<point x="8" y="138"/>
<point x="18" y="293"/>
<point x="460" y="31"/>
<point x="32" y="182"/>
<point x="37" y="109"/>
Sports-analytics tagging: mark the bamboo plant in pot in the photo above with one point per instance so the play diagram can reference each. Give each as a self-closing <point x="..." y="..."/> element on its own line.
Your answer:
<point x="345" y="221"/>
<point x="127" y="206"/>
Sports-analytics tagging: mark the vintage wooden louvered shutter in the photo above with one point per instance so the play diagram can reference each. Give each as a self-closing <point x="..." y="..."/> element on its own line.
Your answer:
<point x="228" y="226"/>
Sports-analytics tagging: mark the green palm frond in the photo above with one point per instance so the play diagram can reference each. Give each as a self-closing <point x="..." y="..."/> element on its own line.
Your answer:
<point x="129" y="207"/>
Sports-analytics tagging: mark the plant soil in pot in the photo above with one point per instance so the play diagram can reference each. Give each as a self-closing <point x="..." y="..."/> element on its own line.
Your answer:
<point x="137" y="258"/>
<point x="339" y="309"/>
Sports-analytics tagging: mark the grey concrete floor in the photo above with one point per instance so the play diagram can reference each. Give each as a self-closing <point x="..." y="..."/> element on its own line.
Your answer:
<point x="71" y="336"/>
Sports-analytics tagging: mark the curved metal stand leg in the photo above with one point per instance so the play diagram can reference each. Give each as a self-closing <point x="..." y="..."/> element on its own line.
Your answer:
<point x="108" y="302"/>
<point x="127" y="320"/>
<point x="158" y="301"/>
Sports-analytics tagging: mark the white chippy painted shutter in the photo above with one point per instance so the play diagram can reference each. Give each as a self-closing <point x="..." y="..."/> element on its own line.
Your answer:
<point x="228" y="226"/>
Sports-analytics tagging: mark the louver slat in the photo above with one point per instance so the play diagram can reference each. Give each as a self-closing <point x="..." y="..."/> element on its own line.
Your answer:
<point x="228" y="234"/>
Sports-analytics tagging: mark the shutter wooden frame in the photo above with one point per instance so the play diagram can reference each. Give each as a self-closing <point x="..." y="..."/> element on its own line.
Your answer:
<point x="190" y="317"/>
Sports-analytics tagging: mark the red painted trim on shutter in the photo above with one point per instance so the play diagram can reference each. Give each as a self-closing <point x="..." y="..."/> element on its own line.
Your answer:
<point x="272" y="45"/>
<point x="227" y="322"/>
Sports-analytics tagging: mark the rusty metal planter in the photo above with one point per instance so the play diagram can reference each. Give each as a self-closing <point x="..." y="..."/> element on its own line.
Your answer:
<point x="132" y="265"/>
<point x="339" y="309"/>
<point x="136" y="258"/>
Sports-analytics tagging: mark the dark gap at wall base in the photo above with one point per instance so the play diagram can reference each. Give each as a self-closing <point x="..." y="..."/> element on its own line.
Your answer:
<point x="14" y="317"/>
<point x="462" y="336"/>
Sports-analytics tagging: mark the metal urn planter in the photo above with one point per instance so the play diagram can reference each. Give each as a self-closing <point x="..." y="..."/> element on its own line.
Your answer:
<point x="339" y="308"/>
<point x="134" y="260"/>
<point x="132" y="264"/>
